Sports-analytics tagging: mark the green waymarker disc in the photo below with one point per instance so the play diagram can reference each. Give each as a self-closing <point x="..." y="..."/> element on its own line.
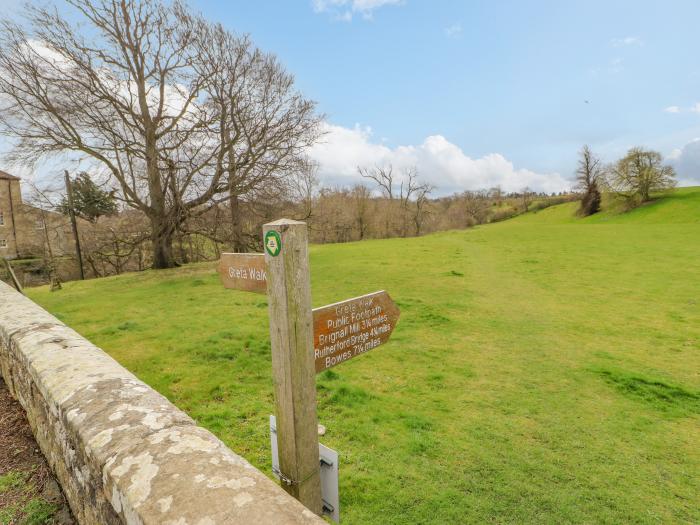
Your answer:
<point x="273" y="243"/>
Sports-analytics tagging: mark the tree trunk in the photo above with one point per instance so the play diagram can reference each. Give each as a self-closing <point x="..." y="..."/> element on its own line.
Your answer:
<point x="140" y="253"/>
<point x="645" y="193"/>
<point x="183" y="253"/>
<point x="189" y="243"/>
<point x="237" y="241"/>
<point x="162" y="242"/>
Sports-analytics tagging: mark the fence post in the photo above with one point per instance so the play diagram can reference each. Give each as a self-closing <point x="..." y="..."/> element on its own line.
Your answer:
<point x="294" y="376"/>
<point x="74" y="224"/>
<point x="13" y="277"/>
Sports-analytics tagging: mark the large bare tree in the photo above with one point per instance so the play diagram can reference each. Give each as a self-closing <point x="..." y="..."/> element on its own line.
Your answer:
<point x="640" y="173"/>
<point x="408" y="186"/>
<point x="361" y="197"/>
<point x="384" y="178"/>
<point x="411" y="187"/>
<point x="264" y="125"/>
<point x="179" y="113"/>
<point x="589" y="171"/>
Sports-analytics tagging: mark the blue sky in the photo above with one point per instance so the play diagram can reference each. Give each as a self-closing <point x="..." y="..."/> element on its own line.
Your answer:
<point x="505" y="77"/>
<point x="479" y="93"/>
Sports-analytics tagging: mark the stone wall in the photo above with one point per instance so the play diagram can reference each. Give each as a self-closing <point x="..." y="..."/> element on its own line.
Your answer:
<point x="10" y="200"/>
<point x="122" y="452"/>
<point x="26" y="228"/>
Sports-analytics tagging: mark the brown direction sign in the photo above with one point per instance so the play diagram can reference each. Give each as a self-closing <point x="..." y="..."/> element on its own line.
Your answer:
<point x="349" y="328"/>
<point x="243" y="271"/>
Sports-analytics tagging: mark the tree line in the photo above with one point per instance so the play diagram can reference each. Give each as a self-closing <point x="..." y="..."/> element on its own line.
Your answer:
<point x="388" y="202"/>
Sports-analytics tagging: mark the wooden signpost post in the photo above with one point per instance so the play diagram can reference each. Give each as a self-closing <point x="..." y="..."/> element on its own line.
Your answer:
<point x="304" y="342"/>
<point x="291" y="338"/>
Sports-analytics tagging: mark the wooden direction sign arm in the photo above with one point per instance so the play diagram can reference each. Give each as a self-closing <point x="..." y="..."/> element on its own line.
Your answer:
<point x="243" y="271"/>
<point x="352" y="327"/>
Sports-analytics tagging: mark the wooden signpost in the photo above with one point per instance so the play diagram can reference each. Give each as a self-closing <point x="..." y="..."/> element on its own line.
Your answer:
<point x="293" y="375"/>
<point x="304" y="342"/>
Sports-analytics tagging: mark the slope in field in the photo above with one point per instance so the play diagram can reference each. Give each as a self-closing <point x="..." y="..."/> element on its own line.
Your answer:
<point x="680" y="206"/>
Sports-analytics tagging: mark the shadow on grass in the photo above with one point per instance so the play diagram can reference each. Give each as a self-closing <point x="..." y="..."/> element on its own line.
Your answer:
<point x="655" y="393"/>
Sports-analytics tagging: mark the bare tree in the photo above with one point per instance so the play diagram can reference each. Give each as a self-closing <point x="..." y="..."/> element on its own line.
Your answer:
<point x="590" y="170"/>
<point x="407" y="187"/>
<point x="383" y="176"/>
<point x="420" y="206"/>
<point x="589" y="176"/>
<point x="264" y="125"/>
<point x="496" y="193"/>
<point x="526" y="198"/>
<point x="361" y="198"/>
<point x="145" y="94"/>
<point x="476" y="206"/>
<point x="411" y="187"/>
<point x="640" y="173"/>
<point x="304" y="184"/>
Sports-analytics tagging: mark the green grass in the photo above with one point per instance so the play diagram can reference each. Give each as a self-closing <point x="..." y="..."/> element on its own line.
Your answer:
<point x="11" y="480"/>
<point x="544" y="370"/>
<point x="36" y="511"/>
<point x="28" y="508"/>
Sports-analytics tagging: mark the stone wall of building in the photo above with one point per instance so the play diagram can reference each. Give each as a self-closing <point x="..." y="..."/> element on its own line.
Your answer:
<point x="121" y="451"/>
<point x="27" y="230"/>
<point x="10" y="199"/>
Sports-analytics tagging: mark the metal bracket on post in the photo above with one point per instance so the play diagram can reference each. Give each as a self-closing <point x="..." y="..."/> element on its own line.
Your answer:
<point x="328" y="460"/>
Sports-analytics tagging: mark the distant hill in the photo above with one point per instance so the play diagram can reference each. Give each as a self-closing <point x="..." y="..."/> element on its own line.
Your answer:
<point x="681" y="206"/>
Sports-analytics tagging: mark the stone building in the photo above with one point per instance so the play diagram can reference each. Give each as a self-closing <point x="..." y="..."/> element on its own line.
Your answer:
<point x="27" y="231"/>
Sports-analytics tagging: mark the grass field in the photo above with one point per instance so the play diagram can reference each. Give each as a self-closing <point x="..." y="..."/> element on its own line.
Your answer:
<point x="545" y="369"/>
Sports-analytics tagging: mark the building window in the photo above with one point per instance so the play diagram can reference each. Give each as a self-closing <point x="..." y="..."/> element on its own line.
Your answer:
<point x="40" y="224"/>
<point x="3" y="243"/>
<point x="2" y="219"/>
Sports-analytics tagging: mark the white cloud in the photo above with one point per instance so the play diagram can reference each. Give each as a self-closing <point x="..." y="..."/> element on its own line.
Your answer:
<point x="438" y="161"/>
<point x="345" y="9"/>
<point x="615" y="65"/>
<point x="675" y="154"/>
<point x="686" y="161"/>
<point x="695" y="108"/>
<point x="453" y="31"/>
<point x="626" y="41"/>
<point x="175" y="95"/>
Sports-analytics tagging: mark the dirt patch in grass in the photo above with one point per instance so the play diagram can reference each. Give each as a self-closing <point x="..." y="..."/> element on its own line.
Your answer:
<point x="29" y="494"/>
